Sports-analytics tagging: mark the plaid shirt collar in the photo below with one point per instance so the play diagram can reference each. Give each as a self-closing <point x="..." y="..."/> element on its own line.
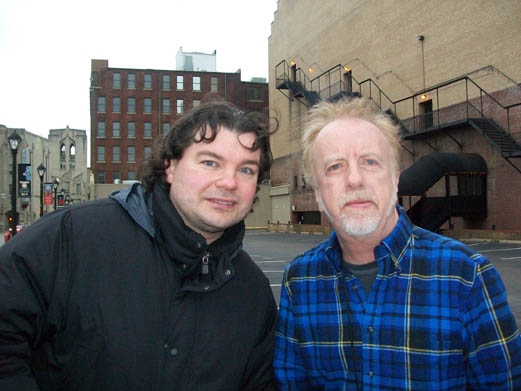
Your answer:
<point x="390" y="252"/>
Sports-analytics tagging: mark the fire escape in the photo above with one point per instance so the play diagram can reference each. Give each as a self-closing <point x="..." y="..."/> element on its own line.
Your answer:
<point x="432" y="110"/>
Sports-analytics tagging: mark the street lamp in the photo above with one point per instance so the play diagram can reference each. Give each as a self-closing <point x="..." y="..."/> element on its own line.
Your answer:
<point x="55" y="184"/>
<point x="14" y="141"/>
<point x="41" y="172"/>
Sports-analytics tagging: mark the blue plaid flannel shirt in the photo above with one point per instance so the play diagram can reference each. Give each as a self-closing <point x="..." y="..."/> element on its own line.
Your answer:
<point x="437" y="318"/>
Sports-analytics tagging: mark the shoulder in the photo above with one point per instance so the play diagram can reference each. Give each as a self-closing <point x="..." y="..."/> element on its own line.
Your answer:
<point x="448" y="255"/>
<point x="244" y="264"/>
<point x="319" y="260"/>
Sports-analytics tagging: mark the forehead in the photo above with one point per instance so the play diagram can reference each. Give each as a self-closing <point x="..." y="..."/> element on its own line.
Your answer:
<point x="227" y="142"/>
<point x="350" y="135"/>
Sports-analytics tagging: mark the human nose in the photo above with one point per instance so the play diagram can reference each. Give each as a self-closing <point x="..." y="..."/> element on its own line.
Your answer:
<point x="227" y="180"/>
<point x="354" y="176"/>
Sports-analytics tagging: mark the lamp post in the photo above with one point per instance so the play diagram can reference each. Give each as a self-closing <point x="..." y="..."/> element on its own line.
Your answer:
<point x="55" y="184"/>
<point x="14" y="141"/>
<point x="41" y="172"/>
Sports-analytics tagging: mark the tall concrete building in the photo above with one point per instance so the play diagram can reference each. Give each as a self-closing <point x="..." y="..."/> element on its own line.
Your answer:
<point x="446" y="70"/>
<point x="131" y="108"/>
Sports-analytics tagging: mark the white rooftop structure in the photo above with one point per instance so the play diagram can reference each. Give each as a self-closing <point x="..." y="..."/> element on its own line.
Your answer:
<point x="196" y="61"/>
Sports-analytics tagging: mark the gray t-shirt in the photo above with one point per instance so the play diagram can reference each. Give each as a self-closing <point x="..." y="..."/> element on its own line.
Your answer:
<point x="365" y="273"/>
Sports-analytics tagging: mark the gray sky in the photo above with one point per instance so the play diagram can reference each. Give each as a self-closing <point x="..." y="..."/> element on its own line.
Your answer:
<point x="46" y="48"/>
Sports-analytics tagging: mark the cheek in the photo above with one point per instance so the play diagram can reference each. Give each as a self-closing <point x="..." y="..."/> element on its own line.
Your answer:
<point x="249" y="191"/>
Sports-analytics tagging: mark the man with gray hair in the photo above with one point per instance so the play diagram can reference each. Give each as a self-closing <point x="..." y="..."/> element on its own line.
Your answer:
<point x="383" y="304"/>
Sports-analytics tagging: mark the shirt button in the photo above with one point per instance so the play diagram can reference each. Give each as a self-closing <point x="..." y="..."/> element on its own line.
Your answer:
<point x="371" y="374"/>
<point x="355" y="287"/>
<point x="227" y="272"/>
<point x="370" y="329"/>
<point x="174" y="352"/>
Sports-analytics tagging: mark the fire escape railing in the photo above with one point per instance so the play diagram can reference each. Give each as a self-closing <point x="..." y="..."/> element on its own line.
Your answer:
<point x="453" y="101"/>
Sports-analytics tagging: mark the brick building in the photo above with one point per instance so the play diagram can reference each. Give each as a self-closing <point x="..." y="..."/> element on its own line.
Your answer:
<point x="131" y="108"/>
<point x="446" y="70"/>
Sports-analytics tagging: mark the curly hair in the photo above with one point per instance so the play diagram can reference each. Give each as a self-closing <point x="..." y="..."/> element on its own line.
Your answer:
<point x="202" y="125"/>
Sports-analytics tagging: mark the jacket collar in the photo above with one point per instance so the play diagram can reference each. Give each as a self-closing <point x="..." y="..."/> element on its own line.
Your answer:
<point x="188" y="249"/>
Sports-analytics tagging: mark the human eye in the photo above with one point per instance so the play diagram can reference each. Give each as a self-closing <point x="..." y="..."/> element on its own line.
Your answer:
<point x="209" y="163"/>
<point x="248" y="170"/>
<point x="334" y="167"/>
<point x="371" y="162"/>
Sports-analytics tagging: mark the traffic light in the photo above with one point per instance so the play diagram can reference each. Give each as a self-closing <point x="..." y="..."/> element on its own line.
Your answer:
<point x="12" y="224"/>
<point x="12" y="220"/>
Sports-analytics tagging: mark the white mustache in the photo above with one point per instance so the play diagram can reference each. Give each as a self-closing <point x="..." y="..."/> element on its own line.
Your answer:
<point x="356" y="195"/>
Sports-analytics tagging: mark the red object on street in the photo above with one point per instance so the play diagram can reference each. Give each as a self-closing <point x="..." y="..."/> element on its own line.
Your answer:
<point x="7" y="236"/>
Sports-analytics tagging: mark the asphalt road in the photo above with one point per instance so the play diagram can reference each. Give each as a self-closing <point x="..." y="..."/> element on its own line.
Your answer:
<point x="272" y="252"/>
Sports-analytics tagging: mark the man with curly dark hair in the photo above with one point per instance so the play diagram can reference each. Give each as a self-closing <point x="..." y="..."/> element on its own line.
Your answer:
<point x="149" y="289"/>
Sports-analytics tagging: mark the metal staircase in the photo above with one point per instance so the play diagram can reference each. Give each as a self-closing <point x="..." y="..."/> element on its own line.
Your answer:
<point x="478" y="109"/>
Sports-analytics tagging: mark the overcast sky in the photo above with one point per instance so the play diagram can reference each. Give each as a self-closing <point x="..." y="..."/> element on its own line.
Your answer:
<point x="46" y="47"/>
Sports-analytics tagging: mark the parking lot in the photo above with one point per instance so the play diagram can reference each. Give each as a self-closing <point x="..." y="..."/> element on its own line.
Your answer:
<point x="272" y="252"/>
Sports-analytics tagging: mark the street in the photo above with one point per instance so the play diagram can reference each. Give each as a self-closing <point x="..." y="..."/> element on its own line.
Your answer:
<point x="272" y="251"/>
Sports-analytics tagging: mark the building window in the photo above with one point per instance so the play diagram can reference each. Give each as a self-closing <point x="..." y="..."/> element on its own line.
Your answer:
<point x="180" y="106"/>
<point x="131" y="105"/>
<point x="62" y="156"/>
<point x="166" y="106"/>
<point x="131" y="154"/>
<point x="100" y="176"/>
<point x="165" y="85"/>
<point x="116" y="104"/>
<point x="147" y="109"/>
<point x="165" y="127"/>
<point x="72" y="157"/>
<point x="101" y="130"/>
<point x="131" y="175"/>
<point x="196" y="83"/>
<point x="147" y="85"/>
<point x="180" y="83"/>
<point x="131" y="81"/>
<point x="116" y="129"/>
<point x="255" y="94"/>
<point x="196" y="103"/>
<point x="101" y="104"/>
<point x="116" y="176"/>
<point x="100" y="154"/>
<point x="148" y="153"/>
<point x="131" y="129"/>
<point x="116" y="80"/>
<point x="78" y="188"/>
<point x="213" y="84"/>
<point x="148" y="130"/>
<point x="115" y="154"/>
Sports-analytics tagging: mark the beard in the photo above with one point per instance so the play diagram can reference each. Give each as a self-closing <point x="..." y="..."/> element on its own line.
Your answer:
<point x="358" y="222"/>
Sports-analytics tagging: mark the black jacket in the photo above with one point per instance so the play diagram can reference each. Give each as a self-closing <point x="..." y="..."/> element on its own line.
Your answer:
<point x="114" y="295"/>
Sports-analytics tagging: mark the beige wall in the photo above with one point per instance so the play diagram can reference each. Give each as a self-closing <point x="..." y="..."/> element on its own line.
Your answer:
<point x="261" y="209"/>
<point x="378" y="40"/>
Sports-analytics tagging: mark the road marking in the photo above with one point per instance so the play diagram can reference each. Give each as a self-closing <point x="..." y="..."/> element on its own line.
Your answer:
<point x="282" y="261"/>
<point x="501" y="249"/>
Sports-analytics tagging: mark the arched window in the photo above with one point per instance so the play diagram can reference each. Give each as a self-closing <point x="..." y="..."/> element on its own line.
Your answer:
<point x="63" y="149"/>
<point x="72" y="156"/>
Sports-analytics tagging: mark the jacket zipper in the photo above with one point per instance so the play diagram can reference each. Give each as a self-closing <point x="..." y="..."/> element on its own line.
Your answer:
<point x="205" y="260"/>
